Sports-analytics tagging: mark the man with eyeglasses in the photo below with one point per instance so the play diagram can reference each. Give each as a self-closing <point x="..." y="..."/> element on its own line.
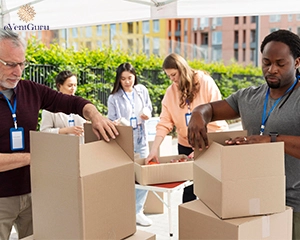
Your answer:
<point x="20" y="102"/>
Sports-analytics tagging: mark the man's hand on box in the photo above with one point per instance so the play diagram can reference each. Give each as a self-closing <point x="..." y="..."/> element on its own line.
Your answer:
<point x="248" y="140"/>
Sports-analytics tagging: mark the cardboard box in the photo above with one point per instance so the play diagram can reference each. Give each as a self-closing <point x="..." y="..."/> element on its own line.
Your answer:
<point x="138" y="235"/>
<point x="78" y="189"/>
<point x="163" y="172"/>
<point x="197" y="221"/>
<point x="153" y="205"/>
<point x="142" y="235"/>
<point x="240" y="180"/>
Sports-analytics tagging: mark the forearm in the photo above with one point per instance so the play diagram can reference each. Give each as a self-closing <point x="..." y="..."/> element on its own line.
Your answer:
<point x="156" y="143"/>
<point x="90" y="112"/>
<point x="9" y="161"/>
<point x="291" y="145"/>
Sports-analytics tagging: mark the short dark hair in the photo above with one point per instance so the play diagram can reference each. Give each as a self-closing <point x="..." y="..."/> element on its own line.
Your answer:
<point x="287" y="37"/>
<point x="124" y="67"/>
<point x="62" y="77"/>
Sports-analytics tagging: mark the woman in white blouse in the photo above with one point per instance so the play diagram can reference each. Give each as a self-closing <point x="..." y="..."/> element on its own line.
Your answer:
<point x="61" y="123"/>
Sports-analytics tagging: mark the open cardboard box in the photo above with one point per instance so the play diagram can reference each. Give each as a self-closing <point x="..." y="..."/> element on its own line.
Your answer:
<point x="78" y="189"/>
<point x="197" y="221"/>
<point x="165" y="171"/>
<point x="240" y="180"/>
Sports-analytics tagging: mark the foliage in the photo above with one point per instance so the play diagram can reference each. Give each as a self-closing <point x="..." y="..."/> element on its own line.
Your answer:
<point x="96" y="71"/>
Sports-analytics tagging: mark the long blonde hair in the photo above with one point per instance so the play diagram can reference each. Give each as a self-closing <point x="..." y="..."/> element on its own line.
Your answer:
<point x="187" y="85"/>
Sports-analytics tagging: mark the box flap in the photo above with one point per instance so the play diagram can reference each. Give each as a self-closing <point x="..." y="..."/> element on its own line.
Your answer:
<point x="219" y="137"/>
<point x="125" y="138"/>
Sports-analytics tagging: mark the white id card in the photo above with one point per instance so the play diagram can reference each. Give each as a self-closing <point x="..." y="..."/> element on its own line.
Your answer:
<point x="187" y="118"/>
<point x="133" y="122"/>
<point x="17" y="139"/>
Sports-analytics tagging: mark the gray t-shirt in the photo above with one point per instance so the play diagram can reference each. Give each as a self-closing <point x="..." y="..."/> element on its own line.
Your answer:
<point x="285" y="120"/>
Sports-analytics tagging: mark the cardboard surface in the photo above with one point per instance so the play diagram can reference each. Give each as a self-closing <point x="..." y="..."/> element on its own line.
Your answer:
<point x="142" y="235"/>
<point x="240" y="180"/>
<point x="197" y="221"/>
<point x="138" y="235"/>
<point x="163" y="172"/>
<point x="78" y="189"/>
<point x="153" y="205"/>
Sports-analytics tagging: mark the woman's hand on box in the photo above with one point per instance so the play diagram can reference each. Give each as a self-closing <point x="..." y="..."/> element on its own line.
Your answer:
<point x="152" y="157"/>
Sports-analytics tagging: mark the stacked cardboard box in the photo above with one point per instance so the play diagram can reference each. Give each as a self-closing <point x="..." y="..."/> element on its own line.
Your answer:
<point x="243" y="183"/>
<point x="78" y="189"/>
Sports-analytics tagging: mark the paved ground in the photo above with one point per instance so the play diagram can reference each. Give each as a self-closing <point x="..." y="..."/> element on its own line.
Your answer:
<point x="160" y="225"/>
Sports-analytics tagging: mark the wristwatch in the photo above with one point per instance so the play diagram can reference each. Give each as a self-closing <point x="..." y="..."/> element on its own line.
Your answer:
<point x="273" y="136"/>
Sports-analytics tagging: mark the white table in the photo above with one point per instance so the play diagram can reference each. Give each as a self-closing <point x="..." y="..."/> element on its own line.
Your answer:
<point x="168" y="188"/>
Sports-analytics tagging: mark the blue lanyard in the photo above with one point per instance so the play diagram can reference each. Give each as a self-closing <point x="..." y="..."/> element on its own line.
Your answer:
<point x="264" y="116"/>
<point x="12" y="109"/>
<point x="132" y="103"/>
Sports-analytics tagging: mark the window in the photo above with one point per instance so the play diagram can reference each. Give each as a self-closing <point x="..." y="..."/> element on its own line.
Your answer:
<point x="236" y="55"/>
<point x="217" y="21"/>
<point x="113" y="30"/>
<point x="217" y="38"/>
<point x="99" y="44"/>
<point x="253" y="19"/>
<point x="195" y="24"/>
<point x="146" y="27"/>
<point x="156" y="26"/>
<point x="245" y="20"/>
<point x="120" y="28"/>
<point x="88" y="45"/>
<point x="137" y="27"/>
<point x="244" y="36"/>
<point x="178" y="25"/>
<point x="252" y="54"/>
<point x="63" y="33"/>
<point x="236" y="36"/>
<point x="74" y="32"/>
<point x="298" y="17"/>
<point x="244" y="55"/>
<point x="156" y="46"/>
<point x="130" y="27"/>
<point x="236" y="20"/>
<point x="252" y="36"/>
<point x="195" y="38"/>
<point x="275" y="18"/>
<point x="99" y="30"/>
<point x="204" y="22"/>
<point x="298" y="31"/>
<point x="216" y="54"/>
<point x="290" y="17"/>
<point x="130" y="44"/>
<point x="88" y="32"/>
<point x="204" y="38"/>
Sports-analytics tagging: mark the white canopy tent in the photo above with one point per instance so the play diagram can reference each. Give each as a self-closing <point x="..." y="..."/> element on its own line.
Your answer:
<point x="58" y="14"/>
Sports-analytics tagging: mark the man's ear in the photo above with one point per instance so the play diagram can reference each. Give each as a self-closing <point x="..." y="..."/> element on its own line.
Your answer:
<point x="297" y="63"/>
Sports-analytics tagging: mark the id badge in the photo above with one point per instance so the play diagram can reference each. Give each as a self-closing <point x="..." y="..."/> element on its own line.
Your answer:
<point x="17" y="139"/>
<point x="133" y="122"/>
<point x="187" y="118"/>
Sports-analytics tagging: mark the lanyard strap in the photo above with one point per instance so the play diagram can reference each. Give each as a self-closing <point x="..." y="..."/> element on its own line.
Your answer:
<point x="13" y="109"/>
<point x="132" y="103"/>
<point x="264" y="116"/>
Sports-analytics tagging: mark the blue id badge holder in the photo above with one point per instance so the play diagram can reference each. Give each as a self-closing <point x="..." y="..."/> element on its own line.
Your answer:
<point x="17" y="139"/>
<point x="187" y="118"/>
<point x="133" y="122"/>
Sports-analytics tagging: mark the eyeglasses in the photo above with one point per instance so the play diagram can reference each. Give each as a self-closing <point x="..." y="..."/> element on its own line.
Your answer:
<point x="14" y="64"/>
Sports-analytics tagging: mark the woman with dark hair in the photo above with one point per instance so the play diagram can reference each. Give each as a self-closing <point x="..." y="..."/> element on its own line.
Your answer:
<point x="130" y="104"/>
<point x="61" y="123"/>
<point x="189" y="89"/>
